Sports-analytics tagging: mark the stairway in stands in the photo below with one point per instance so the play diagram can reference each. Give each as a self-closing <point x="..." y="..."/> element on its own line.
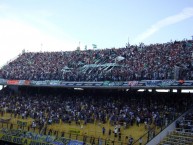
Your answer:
<point x="178" y="138"/>
<point x="183" y="134"/>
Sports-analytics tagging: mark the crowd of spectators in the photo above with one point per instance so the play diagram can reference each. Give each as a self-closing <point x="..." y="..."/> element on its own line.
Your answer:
<point x="185" y="125"/>
<point x="125" y="109"/>
<point x="172" y="60"/>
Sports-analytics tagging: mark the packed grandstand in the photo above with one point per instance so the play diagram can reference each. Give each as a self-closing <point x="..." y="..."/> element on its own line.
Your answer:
<point x="35" y="114"/>
<point x="172" y="60"/>
<point x="114" y="117"/>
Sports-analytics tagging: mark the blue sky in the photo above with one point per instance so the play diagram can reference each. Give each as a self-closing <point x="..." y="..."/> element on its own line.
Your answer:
<point x="49" y="25"/>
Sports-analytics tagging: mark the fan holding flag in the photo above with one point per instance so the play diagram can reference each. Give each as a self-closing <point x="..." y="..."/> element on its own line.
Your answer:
<point x="119" y="58"/>
<point x="94" y="46"/>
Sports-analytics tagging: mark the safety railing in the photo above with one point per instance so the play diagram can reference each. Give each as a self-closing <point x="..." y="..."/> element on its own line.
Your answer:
<point x="72" y="136"/>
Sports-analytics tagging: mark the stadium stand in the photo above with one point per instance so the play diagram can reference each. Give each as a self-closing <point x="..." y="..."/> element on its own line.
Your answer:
<point x="183" y="134"/>
<point x="152" y="62"/>
<point x="39" y="103"/>
<point x="48" y="107"/>
<point x="44" y="107"/>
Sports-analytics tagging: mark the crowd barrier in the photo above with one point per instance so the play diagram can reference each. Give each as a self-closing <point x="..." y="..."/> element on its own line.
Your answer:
<point x="58" y="135"/>
<point x="74" y="135"/>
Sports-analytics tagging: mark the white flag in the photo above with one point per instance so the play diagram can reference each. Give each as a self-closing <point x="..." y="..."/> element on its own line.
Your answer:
<point x="119" y="58"/>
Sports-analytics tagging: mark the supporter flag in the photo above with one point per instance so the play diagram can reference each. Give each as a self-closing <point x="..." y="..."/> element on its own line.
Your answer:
<point x="94" y="46"/>
<point x="106" y="83"/>
<point x="189" y="44"/>
<point x="85" y="47"/>
<point x="78" y="48"/>
<point x="181" y="81"/>
<point x="132" y="83"/>
<point x="119" y="58"/>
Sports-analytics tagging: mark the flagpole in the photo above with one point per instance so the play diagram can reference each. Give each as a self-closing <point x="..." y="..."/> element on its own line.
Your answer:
<point x="128" y="43"/>
<point x="128" y="40"/>
<point x="41" y="47"/>
<point x="78" y="48"/>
